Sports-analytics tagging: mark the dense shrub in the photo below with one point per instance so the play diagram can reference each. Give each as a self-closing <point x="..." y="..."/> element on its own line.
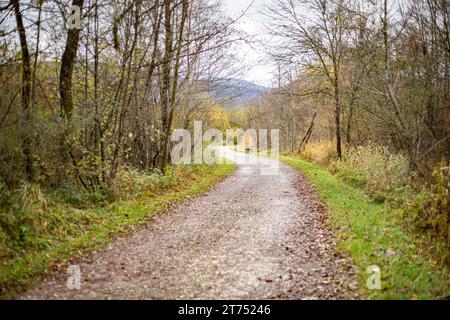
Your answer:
<point x="385" y="176"/>
<point x="23" y="216"/>
<point x="11" y="162"/>
<point x="349" y="174"/>
<point x="320" y="152"/>
<point x="131" y="183"/>
<point x="381" y="172"/>
<point x="31" y="219"/>
<point x="430" y="211"/>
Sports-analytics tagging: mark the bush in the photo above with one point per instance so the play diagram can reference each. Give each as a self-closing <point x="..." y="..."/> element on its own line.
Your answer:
<point x="75" y="198"/>
<point x="11" y="157"/>
<point x="31" y="219"/>
<point x="4" y="195"/>
<point x="430" y="211"/>
<point x="381" y="170"/>
<point x="131" y="183"/>
<point x="385" y="176"/>
<point x="349" y="174"/>
<point x="321" y="152"/>
<point x="25" y="216"/>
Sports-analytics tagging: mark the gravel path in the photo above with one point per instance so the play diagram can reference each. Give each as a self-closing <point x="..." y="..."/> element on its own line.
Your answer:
<point x="252" y="236"/>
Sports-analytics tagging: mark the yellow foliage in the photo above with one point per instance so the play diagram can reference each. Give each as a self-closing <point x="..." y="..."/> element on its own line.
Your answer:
<point x="218" y="118"/>
<point x="321" y="152"/>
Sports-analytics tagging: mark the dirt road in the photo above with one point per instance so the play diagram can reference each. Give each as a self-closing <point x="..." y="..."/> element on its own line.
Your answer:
<point x="253" y="236"/>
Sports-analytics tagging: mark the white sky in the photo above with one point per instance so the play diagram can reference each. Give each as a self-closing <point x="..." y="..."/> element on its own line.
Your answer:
<point x="261" y="71"/>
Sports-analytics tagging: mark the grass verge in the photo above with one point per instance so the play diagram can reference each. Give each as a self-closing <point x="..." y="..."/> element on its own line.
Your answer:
<point x="374" y="234"/>
<point x="104" y="225"/>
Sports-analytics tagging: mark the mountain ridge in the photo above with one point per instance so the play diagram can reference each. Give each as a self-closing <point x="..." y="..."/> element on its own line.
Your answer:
<point x="232" y="92"/>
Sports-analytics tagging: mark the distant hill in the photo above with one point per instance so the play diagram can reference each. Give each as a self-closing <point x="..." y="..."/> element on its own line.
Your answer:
<point x="235" y="92"/>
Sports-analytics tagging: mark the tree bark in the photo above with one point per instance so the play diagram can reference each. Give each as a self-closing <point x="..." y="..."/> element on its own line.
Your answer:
<point x="65" y="88"/>
<point x="170" y="93"/>
<point x="308" y="134"/>
<point x="167" y="61"/>
<point x="337" y="115"/>
<point x="67" y="64"/>
<point x="25" y="92"/>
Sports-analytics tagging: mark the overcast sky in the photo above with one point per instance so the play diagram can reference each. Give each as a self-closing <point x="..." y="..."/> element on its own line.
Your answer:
<point x="261" y="71"/>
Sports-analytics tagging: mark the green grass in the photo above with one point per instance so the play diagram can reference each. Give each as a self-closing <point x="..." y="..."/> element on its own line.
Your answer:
<point x="366" y="229"/>
<point x="101" y="226"/>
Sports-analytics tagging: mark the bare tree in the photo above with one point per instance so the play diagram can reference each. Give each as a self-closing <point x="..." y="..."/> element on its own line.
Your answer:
<point x="312" y="35"/>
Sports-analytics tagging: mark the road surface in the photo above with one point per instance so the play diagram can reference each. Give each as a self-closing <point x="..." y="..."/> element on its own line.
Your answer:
<point x="259" y="234"/>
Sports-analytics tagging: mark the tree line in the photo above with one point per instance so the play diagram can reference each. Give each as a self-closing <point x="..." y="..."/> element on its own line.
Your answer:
<point x="77" y="103"/>
<point x="359" y="71"/>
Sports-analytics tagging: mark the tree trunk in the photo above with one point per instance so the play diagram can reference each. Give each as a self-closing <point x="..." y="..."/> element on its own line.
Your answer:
<point x="67" y="64"/>
<point x="170" y="93"/>
<point x="337" y="115"/>
<point x="65" y="89"/>
<point x="308" y="134"/>
<point x="349" y="125"/>
<point x="168" y="53"/>
<point x="26" y="92"/>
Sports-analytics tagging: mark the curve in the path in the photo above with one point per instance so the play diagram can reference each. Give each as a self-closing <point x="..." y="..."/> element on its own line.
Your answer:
<point x="259" y="234"/>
